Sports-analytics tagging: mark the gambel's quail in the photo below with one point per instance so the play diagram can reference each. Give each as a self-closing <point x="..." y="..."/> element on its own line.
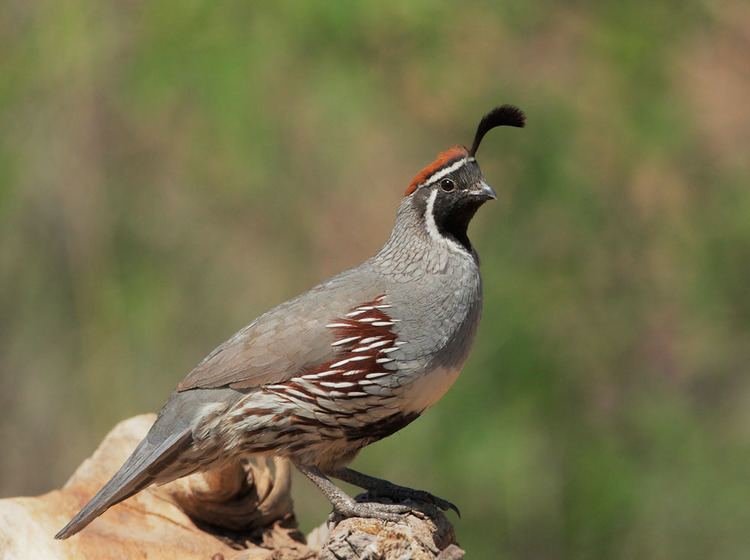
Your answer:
<point x="351" y="361"/>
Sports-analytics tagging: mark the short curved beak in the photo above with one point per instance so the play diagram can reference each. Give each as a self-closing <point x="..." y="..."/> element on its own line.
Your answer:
<point x="484" y="192"/>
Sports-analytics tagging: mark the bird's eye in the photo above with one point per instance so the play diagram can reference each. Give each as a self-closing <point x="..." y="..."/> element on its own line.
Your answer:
<point x="447" y="185"/>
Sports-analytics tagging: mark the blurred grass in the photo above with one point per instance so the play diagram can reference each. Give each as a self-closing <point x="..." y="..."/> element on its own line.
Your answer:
<point x="169" y="170"/>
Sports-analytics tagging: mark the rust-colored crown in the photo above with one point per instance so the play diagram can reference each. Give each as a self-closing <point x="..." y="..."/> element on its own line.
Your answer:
<point x="505" y="115"/>
<point x="444" y="159"/>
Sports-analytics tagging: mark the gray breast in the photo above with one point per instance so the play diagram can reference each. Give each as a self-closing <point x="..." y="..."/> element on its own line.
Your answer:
<point x="437" y="309"/>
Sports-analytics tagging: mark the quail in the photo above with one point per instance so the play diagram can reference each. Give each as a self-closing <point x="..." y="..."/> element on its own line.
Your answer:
<point x="343" y="365"/>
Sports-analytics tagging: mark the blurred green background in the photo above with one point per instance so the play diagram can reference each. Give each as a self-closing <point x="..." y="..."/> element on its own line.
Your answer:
<point x="171" y="169"/>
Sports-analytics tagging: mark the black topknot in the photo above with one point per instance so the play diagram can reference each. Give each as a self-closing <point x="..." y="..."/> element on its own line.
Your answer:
<point x="505" y="115"/>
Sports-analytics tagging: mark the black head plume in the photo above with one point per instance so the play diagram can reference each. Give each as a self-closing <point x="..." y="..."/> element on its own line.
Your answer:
<point x="505" y="115"/>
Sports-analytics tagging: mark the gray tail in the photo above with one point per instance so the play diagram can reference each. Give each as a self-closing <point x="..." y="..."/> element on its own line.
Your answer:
<point x="140" y="470"/>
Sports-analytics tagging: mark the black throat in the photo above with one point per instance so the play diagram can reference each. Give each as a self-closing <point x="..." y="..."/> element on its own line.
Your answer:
<point x="452" y="219"/>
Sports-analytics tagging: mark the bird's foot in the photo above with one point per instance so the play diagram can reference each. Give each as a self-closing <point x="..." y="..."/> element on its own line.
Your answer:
<point x="345" y="506"/>
<point x="400" y="493"/>
<point x="380" y="488"/>
<point x="371" y="510"/>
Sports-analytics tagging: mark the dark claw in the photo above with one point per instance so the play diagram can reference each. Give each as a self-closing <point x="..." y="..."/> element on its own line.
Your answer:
<point x="445" y="505"/>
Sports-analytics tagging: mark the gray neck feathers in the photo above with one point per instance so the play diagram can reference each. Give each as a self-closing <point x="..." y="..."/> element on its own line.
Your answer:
<point x="412" y="249"/>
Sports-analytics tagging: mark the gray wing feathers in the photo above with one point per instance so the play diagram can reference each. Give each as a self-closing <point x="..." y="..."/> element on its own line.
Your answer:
<point x="285" y="340"/>
<point x="277" y="346"/>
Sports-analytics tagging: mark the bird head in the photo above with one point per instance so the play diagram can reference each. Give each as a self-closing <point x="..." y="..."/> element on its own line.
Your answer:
<point x="450" y="190"/>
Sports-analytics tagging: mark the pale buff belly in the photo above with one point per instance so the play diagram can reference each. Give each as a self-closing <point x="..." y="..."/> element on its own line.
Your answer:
<point x="428" y="389"/>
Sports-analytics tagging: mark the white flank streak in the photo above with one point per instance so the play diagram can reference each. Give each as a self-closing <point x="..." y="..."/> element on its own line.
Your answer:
<point x="352" y="359"/>
<point x="355" y="313"/>
<point x="337" y="325"/>
<point x="296" y="393"/>
<point x="383" y="306"/>
<point x="370" y="339"/>
<point x="318" y="391"/>
<point x="344" y="341"/>
<point x="382" y="323"/>
<point x="341" y="363"/>
<point x="371" y="346"/>
<point x="365" y="308"/>
<point x="378" y="374"/>
<point x="367" y="320"/>
<point x="319" y="375"/>
<point x="339" y="385"/>
<point x="389" y="350"/>
<point x="353" y="372"/>
<point x="384" y="360"/>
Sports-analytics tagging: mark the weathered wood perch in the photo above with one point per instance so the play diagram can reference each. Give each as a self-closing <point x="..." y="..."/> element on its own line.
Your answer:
<point x="240" y="513"/>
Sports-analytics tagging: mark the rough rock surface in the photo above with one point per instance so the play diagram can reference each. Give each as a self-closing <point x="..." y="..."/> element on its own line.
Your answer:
<point x="243" y="512"/>
<point x="414" y="538"/>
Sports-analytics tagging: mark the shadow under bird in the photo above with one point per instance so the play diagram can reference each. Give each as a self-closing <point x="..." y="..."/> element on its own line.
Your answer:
<point x="351" y="361"/>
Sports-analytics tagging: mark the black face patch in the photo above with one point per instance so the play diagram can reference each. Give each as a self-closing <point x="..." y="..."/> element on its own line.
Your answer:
<point x="454" y="207"/>
<point x="452" y="215"/>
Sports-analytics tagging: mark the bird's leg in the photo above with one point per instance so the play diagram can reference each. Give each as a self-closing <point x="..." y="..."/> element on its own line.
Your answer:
<point x="379" y="487"/>
<point x="345" y="505"/>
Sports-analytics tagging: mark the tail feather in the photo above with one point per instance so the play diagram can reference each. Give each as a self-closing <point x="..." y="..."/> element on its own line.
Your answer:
<point x="139" y="471"/>
<point x="167" y="439"/>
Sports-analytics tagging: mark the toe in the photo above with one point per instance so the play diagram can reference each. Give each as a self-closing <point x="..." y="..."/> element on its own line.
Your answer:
<point x="374" y="510"/>
<point x="385" y="516"/>
<point x="445" y="505"/>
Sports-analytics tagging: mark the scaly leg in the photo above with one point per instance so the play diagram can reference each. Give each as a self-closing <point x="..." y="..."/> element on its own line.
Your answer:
<point x="380" y="487"/>
<point x="346" y="506"/>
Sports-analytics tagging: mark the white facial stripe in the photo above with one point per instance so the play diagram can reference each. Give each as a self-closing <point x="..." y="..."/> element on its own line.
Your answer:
<point x="432" y="229"/>
<point x="429" y="217"/>
<point x="446" y="171"/>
